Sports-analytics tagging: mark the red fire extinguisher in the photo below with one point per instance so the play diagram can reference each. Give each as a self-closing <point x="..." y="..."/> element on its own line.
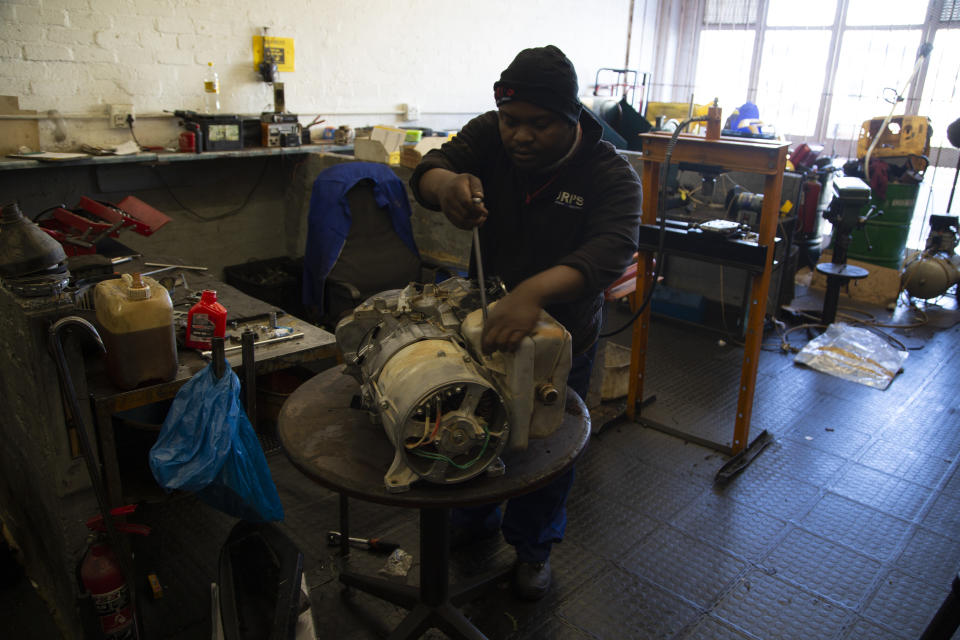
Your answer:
<point x="103" y="579"/>
<point x="809" y="199"/>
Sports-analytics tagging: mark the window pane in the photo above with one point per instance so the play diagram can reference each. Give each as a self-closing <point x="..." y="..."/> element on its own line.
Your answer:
<point x="730" y="12"/>
<point x="792" y="70"/>
<point x="723" y="68"/>
<point x="876" y="12"/>
<point x="869" y="62"/>
<point x="940" y="101"/>
<point x="812" y="13"/>
<point x="950" y="11"/>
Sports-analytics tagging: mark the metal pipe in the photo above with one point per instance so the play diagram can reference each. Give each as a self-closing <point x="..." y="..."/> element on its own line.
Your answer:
<point x="86" y="447"/>
<point x="479" y="259"/>
<point x="292" y="336"/>
<point x="249" y="376"/>
<point x="483" y="287"/>
<point x="218" y="357"/>
<point x="176" y="266"/>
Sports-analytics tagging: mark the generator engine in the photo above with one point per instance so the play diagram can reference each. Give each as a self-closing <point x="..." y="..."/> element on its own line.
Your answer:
<point x="450" y="410"/>
<point x="931" y="273"/>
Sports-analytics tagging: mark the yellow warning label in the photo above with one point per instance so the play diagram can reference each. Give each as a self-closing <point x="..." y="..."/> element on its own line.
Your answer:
<point x="279" y="50"/>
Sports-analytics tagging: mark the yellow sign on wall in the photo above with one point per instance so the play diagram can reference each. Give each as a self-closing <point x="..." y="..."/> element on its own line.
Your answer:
<point x="279" y="49"/>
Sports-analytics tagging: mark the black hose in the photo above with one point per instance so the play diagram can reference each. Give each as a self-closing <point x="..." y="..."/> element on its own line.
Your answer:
<point x="661" y="211"/>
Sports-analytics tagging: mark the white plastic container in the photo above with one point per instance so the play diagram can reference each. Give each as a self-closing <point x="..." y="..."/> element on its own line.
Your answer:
<point x="135" y="317"/>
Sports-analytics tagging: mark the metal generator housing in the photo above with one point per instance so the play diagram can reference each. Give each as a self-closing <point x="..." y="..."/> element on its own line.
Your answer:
<point x="450" y="410"/>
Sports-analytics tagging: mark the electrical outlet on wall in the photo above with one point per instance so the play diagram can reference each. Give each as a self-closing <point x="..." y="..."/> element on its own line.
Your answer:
<point x="118" y="114"/>
<point x="411" y="112"/>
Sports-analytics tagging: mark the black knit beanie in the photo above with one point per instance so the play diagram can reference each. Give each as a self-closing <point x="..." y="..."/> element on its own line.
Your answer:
<point x="542" y="76"/>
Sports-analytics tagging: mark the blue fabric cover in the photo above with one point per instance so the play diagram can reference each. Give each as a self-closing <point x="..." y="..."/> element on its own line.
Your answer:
<point x="329" y="219"/>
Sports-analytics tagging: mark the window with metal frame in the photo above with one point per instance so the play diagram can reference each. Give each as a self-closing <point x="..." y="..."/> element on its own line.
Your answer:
<point x="818" y="69"/>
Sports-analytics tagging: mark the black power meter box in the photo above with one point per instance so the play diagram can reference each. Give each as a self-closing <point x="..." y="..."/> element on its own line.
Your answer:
<point x="215" y="132"/>
<point x="280" y="129"/>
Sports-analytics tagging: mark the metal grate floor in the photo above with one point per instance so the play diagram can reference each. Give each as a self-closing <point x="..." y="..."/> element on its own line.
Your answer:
<point x="846" y="527"/>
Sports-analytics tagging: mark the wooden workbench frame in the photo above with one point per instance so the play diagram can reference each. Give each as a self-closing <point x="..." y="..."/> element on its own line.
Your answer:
<point x="753" y="156"/>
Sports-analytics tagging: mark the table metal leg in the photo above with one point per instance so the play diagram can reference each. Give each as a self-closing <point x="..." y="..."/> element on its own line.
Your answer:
<point x="434" y="556"/>
<point x="431" y="604"/>
<point x="413" y="626"/>
<point x="344" y="525"/>
<point x="399" y="594"/>
<point x="457" y="625"/>
<point x="103" y="429"/>
<point x="444" y="617"/>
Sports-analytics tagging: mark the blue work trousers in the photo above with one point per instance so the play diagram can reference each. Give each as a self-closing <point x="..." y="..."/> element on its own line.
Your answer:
<point x="534" y="521"/>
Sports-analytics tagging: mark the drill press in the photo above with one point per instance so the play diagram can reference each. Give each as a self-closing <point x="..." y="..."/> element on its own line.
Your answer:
<point x="850" y="196"/>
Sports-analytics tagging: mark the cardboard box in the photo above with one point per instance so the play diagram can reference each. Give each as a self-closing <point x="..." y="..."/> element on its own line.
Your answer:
<point x="382" y="146"/>
<point x="881" y="287"/>
<point x="411" y="155"/>
<point x="614" y="361"/>
<point x="15" y="134"/>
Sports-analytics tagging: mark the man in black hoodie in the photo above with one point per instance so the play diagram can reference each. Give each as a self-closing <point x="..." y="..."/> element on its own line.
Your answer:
<point x="557" y="211"/>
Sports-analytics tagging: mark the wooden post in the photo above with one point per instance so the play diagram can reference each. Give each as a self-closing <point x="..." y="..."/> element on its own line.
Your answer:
<point x="645" y="269"/>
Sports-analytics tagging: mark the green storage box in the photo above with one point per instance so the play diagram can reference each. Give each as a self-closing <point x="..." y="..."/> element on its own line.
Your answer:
<point x="879" y="243"/>
<point x="898" y="206"/>
<point x="883" y="239"/>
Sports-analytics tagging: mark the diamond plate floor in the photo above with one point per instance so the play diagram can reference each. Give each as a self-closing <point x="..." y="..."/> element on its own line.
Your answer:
<point x="846" y="527"/>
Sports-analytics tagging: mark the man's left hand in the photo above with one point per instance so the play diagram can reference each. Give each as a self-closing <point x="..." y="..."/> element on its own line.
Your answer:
<point x="509" y="321"/>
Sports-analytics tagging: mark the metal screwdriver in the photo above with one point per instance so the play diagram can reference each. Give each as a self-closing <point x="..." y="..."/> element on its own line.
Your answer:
<point x="476" y="251"/>
<point x="373" y="544"/>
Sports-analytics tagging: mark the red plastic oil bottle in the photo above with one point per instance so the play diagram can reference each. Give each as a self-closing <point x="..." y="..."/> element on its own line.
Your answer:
<point x="207" y="319"/>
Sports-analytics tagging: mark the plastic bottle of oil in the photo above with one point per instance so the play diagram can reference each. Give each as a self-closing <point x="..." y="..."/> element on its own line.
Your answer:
<point x="211" y="90"/>
<point x="206" y="320"/>
<point x="135" y="315"/>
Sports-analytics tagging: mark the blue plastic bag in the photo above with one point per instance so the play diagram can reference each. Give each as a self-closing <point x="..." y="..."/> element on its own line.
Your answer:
<point x="207" y="446"/>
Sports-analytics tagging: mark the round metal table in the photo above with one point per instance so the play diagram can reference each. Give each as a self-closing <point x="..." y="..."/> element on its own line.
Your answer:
<point x="339" y="447"/>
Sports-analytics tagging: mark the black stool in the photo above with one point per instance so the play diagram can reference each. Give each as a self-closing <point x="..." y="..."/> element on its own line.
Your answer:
<point x="837" y="276"/>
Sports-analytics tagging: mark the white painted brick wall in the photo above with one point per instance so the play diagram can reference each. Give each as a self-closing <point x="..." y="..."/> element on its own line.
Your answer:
<point x="78" y="56"/>
<point x="82" y="19"/>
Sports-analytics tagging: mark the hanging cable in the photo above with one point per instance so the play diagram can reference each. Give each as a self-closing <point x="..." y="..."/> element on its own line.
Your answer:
<point x="661" y="211"/>
<point x="219" y="216"/>
<point x="922" y="55"/>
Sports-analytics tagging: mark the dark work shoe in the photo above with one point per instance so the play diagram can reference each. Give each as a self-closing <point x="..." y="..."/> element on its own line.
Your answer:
<point x="532" y="579"/>
<point x="463" y="537"/>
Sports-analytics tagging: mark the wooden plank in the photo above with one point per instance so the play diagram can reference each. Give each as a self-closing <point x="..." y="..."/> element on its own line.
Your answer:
<point x="645" y="268"/>
<point x="757" y="308"/>
<point x="753" y="156"/>
<point x="17" y="133"/>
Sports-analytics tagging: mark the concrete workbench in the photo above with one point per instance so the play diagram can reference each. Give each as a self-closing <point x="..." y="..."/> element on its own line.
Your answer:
<point x="313" y="344"/>
<point x="45" y="490"/>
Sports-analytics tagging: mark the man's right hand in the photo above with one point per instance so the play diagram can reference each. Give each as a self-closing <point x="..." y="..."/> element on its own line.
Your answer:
<point x="460" y="196"/>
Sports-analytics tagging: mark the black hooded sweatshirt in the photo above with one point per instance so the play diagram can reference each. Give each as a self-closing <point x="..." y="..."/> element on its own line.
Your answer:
<point x="584" y="215"/>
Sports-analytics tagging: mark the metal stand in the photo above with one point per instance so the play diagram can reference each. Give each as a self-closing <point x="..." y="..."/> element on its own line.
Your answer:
<point x="837" y="276"/>
<point x="761" y="157"/>
<point x="340" y="448"/>
<point x="434" y="603"/>
<point x="851" y="197"/>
